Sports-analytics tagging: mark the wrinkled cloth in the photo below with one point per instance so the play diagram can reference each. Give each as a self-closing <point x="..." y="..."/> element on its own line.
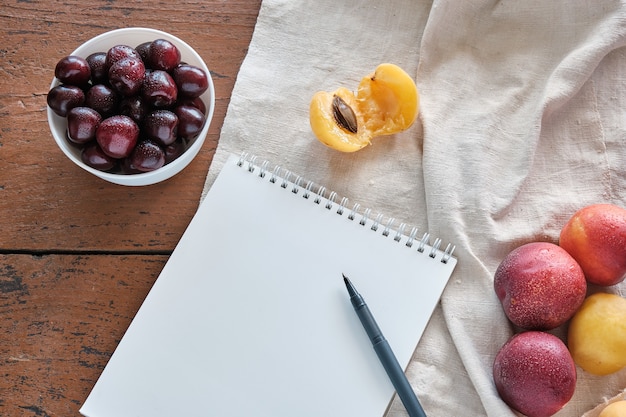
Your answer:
<point x="522" y="122"/>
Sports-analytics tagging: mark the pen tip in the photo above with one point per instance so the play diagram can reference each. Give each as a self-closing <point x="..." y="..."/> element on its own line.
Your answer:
<point x="349" y="286"/>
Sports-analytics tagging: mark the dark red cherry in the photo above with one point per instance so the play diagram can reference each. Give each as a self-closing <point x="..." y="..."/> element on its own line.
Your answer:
<point x="118" y="52"/>
<point x="103" y="99"/>
<point x="117" y="136"/>
<point x="126" y="166"/>
<point x="126" y="75"/>
<point x="73" y="70"/>
<point x="93" y="156"/>
<point x="195" y="102"/>
<point x="190" y="80"/>
<point x="161" y="126"/>
<point x="159" y="89"/>
<point x="63" y="98"/>
<point x="190" y="121"/>
<point x="143" y="50"/>
<point x="174" y="150"/>
<point x="163" y="55"/>
<point x="82" y="123"/>
<point x="97" y="64"/>
<point x="135" y="108"/>
<point x="147" y="156"/>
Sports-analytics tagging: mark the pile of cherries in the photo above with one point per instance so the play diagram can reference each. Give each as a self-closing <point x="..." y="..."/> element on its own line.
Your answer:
<point x="130" y="110"/>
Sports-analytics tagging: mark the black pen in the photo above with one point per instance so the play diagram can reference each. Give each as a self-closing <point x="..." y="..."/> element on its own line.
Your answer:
<point x="385" y="354"/>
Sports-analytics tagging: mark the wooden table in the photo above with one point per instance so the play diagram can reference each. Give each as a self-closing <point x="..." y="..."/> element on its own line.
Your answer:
<point x="77" y="254"/>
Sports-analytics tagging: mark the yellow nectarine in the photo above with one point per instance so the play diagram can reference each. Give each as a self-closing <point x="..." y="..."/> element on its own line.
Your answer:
<point x="616" y="409"/>
<point x="597" y="334"/>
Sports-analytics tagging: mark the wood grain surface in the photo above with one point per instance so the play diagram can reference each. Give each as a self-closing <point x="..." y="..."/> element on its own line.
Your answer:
<point x="77" y="254"/>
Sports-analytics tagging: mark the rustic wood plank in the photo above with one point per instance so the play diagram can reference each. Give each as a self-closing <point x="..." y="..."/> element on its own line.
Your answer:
<point x="61" y="317"/>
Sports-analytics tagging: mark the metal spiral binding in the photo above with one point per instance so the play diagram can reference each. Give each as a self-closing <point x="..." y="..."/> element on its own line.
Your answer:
<point x="354" y="212"/>
<point x="365" y="217"/>
<point x="296" y="185"/>
<point x="285" y="181"/>
<point x="387" y="228"/>
<point x="263" y="168"/>
<point x="423" y="242"/>
<point x="318" y="193"/>
<point x="411" y="239"/>
<point x="377" y="221"/>
<point x="331" y="200"/>
<point x="275" y="174"/>
<point x="342" y="206"/>
<point x="242" y="159"/>
<point x="400" y="232"/>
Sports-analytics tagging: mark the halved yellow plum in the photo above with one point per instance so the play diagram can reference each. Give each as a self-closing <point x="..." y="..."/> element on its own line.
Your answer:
<point x="386" y="102"/>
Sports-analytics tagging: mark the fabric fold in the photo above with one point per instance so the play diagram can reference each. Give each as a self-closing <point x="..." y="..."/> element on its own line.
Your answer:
<point x="521" y="123"/>
<point x="511" y="94"/>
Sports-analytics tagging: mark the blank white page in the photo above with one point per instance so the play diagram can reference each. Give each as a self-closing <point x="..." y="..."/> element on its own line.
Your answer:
<point x="250" y="315"/>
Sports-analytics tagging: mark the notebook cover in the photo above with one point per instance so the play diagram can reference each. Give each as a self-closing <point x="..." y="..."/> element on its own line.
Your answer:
<point x="250" y="315"/>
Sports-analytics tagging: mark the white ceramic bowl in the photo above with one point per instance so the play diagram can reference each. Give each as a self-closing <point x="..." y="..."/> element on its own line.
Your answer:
<point x="133" y="37"/>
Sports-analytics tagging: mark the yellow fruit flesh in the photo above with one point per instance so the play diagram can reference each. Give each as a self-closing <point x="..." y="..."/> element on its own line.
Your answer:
<point x="386" y="102"/>
<point x="597" y="334"/>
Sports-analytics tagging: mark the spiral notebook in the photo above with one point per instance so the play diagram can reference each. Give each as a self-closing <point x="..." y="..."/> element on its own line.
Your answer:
<point x="250" y="315"/>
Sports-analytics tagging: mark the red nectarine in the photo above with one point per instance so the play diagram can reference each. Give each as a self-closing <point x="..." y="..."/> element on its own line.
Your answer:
<point x="540" y="286"/>
<point x="596" y="237"/>
<point x="534" y="373"/>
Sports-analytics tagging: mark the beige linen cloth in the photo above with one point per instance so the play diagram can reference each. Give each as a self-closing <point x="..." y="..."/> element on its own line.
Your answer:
<point x="522" y="122"/>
